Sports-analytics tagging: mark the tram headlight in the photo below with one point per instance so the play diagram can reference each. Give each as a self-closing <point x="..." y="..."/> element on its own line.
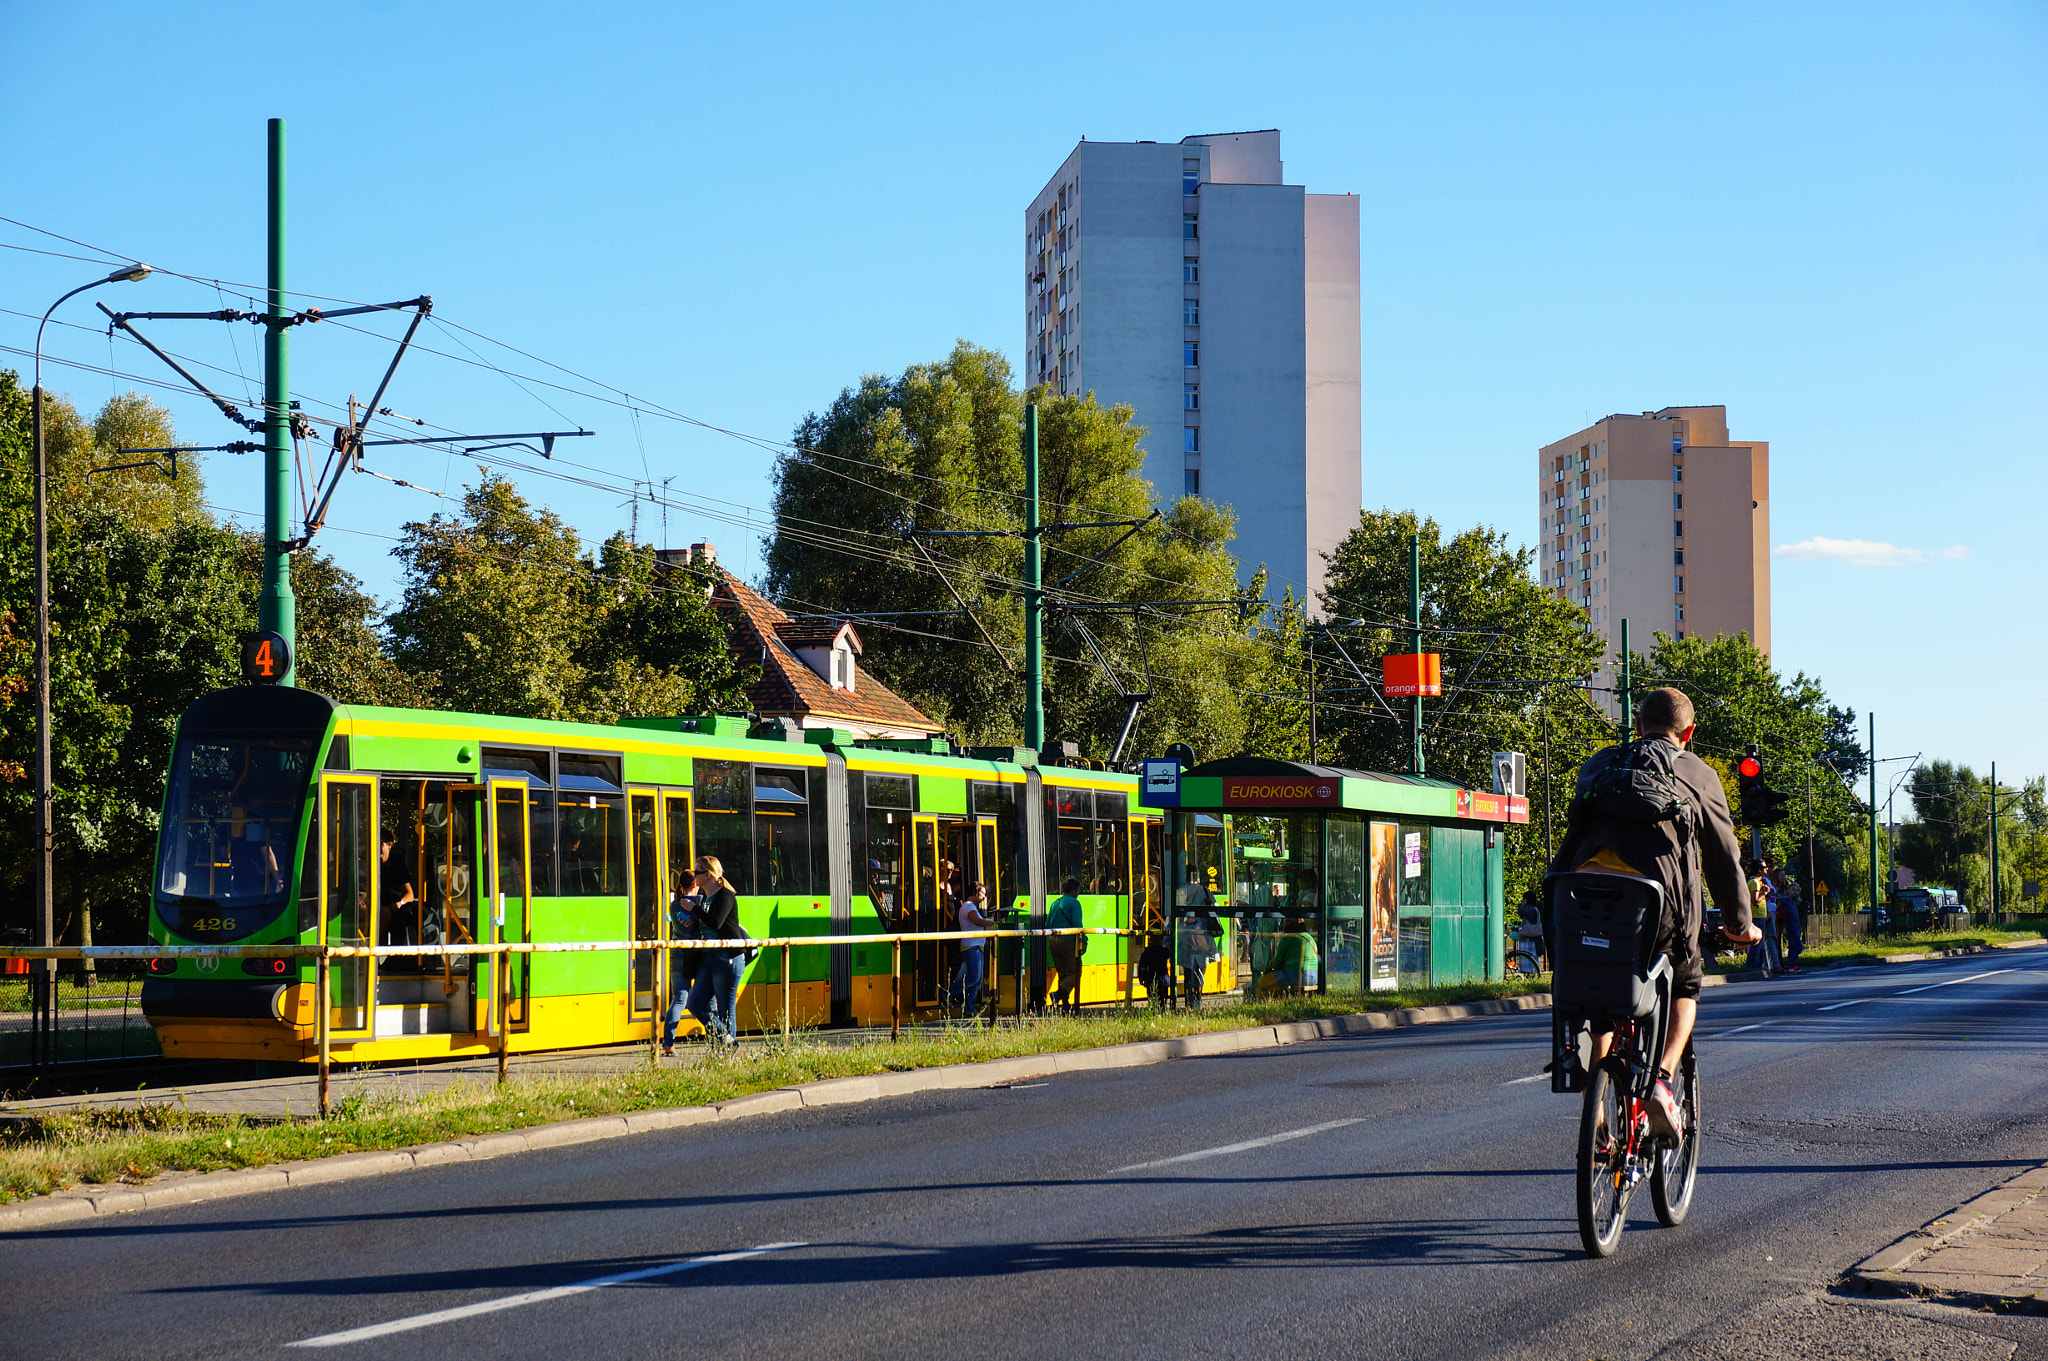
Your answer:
<point x="267" y="968"/>
<point x="163" y="966"/>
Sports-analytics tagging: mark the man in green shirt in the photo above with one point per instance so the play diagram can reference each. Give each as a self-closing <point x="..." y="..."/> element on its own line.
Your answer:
<point x="1064" y="913"/>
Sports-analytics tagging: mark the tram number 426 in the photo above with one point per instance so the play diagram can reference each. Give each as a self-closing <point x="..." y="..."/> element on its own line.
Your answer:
<point x="210" y="924"/>
<point x="266" y="658"/>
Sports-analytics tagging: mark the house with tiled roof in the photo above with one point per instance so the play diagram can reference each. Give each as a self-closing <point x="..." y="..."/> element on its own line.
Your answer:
<point x="810" y="668"/>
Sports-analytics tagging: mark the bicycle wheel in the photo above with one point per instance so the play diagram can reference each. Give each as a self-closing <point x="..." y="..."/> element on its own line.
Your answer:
<point x="1603" y="1163"/>
<point x="1678" y="1169"/>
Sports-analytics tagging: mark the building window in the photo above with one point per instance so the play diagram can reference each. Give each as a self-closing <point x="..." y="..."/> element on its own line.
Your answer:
<point x="1189" y="181"/>
<point x="1190" y="355"/>
<point x="1677" y="473"/>
<point x="1678" y="557"/>
<point x="1187" y="227"/>
<point x="1191" y="439"/>
<point x="1191" y="482"/>
<point x="1678" y="585"/>
<point x="1678" y="500"/>
<point x="1190" y="271"/>
<point x="1191" y="397"/>
<point x="1190" y="312"/>
<point x="1681" y="613"/>
<point x="1678" y="529"/>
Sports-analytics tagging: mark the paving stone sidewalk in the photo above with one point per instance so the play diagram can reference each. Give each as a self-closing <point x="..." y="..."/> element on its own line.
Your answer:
<point x="1989" y="1253"/>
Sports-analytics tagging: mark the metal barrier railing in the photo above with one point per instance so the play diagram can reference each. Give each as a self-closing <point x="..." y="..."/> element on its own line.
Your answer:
<point x="501" y="998"/>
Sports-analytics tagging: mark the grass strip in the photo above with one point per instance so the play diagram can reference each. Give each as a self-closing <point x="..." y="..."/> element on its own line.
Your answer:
<point x="107" y="1144"/>
<point x="1874" y="949"/>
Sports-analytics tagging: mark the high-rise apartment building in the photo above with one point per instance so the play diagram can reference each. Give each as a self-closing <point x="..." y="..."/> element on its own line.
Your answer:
<point x="1186" y="280"/>
<point x="1662" y="520"/>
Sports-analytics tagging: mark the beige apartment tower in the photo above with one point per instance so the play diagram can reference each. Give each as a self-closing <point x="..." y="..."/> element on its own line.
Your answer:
<point x="1662" y="520"/>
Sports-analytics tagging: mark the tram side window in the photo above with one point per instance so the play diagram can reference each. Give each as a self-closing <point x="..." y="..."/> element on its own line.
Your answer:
<point x="591" y="813"/>
<point x="540" y="819"/>
<point x="1069" y="838"/>
<point x="309" y="879"/>
<point x="883" y="805"/>
<point x="504" y="763"/>
<point x="1110" y="872"/>
<point x="1000" y="802"/>
<point x="724" y="817"/>
<point x="782" y="831"/>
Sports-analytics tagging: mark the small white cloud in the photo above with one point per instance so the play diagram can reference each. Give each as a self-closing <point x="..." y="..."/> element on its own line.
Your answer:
<point x="1864" y="552"/>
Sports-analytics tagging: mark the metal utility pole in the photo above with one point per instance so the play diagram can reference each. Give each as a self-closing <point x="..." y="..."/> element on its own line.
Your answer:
<point x="43" y="987"/>
<point x="1310" y="640"/>
<point x="1994" y="836"/>
<point x="1034" y="592"/>
<point x="1628" y="684"/>
<point x="1416" y="764"/>
<point x="1872" y="753"/>
<point x="1808" y="779"/>
<point x="276" y="609"/>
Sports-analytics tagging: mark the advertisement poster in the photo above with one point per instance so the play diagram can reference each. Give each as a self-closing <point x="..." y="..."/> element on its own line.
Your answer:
<point x="1411" y="856"/>
<point x="1385" y="914"/>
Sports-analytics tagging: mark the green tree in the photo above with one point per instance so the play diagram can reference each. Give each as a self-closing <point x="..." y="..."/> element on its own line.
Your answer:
<point x="1516" y="661"/>
<point x="938" y="447"/>
<point x="502" y="614"/>
<point x="1806" y="742"/>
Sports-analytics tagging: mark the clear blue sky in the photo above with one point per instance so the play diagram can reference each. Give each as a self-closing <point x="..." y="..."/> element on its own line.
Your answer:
<point x="1831" y="218"/>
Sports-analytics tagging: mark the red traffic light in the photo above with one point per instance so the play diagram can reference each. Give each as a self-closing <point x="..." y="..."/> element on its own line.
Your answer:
<point x="1750" y="768"/>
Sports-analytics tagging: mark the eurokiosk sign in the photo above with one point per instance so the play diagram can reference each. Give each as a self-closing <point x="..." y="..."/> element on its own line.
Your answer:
<point x="1333" y="880"/>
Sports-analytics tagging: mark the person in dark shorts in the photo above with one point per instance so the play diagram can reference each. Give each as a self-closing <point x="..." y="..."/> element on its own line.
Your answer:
<point x="1684" y="854"/>
<point x="1064" y="913"/>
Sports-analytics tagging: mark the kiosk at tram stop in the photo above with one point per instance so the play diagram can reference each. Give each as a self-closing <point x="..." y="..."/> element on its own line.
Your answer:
<point x="1321" y="879"/>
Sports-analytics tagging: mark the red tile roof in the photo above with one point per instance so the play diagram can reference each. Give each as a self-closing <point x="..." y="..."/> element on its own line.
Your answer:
<point x="761" y="632"/>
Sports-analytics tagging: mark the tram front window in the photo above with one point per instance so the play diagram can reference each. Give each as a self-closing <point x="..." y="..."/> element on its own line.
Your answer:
<point x="230" y="831"/>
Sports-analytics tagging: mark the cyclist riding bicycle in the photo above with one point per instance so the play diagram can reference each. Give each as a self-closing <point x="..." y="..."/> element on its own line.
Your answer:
<point x="1678" y="852"/>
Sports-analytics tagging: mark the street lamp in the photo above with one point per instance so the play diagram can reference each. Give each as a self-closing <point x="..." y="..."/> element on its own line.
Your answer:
<point x="45" y="1020"/>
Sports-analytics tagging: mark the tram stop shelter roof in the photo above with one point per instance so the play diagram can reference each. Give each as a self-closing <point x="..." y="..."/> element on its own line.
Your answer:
<point x="1262" y="784"/>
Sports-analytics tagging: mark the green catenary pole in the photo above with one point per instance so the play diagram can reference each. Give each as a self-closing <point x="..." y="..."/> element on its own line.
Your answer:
<point x="1416" y="764"/>
<point x="1872" y="753"/>
<point x="276" y="609"/>
<point x="1034" y="592"/>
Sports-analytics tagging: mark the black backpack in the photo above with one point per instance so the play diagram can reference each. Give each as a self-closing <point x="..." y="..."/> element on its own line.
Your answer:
<point x="1639" y="785"/>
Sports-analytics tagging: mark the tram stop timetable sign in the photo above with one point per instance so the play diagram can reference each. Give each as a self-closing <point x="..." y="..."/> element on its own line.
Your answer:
<point x="266" y="658"/>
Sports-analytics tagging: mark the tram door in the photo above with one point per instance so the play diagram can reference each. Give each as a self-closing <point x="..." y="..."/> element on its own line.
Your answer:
<point x="348" y="896"/>
<point x="927" y="984"/>
<point x="458" y="882"/>
<point x="680" y="855"/>
<point x="990" y="875"/>
<point x="511" y="897"/>
<point x="644" y="819"/>
<point x="1148" y="877"/>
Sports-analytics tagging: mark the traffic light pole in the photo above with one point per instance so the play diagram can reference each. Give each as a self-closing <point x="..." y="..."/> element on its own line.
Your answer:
<point x="276" y="609"/>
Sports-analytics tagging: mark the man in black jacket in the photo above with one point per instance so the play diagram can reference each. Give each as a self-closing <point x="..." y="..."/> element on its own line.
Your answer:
<point x="1678" y="854"/>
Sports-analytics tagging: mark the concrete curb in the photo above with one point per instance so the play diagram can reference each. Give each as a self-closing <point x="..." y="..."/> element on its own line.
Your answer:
<point x="1758" y="975"/>
<point x="187" y="1188"/>
<point x="1904" y="1268"/>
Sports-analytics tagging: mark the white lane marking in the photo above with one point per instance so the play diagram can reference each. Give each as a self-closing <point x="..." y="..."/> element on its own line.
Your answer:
<point x="1837" y="1006"/>
<point x="1533" y="1077"/>
<point x="404" y="1325"/>
<point x="1739" y="1029"/>
<point x="1952" y="982"/>
<point x="1280" y="1138"/>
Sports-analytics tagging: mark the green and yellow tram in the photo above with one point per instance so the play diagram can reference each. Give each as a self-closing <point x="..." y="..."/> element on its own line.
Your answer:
<point x="291" y="819"/>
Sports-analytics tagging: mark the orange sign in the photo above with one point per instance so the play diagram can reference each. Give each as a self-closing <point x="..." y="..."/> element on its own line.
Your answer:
<point x="266" y="658"/>
<point x="1413" y="673"/>
<point x="1292" y="792"/>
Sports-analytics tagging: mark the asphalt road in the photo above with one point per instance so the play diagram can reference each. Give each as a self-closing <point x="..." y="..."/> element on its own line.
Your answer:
<point x="1419" y="1205"/>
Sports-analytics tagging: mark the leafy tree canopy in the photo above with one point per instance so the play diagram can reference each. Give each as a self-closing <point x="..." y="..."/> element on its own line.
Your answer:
<point x="503" y="613"/>
<point x="939" y="448"/>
